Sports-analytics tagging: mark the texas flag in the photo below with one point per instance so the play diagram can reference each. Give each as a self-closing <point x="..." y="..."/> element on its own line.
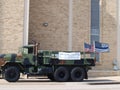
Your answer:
<point x="101" y="47"/>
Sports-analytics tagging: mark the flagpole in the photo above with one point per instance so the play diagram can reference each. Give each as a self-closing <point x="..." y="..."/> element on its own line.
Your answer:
<point x="94" y="50"/>
<point x="84" y="47"/>
<point x="94" y="45"/>
<point x="84" y="52"/>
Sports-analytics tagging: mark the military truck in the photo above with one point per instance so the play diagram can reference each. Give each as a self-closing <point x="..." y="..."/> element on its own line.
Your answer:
<point x="58" y="66"/>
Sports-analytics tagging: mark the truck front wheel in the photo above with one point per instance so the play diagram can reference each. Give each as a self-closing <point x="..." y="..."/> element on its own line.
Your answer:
<point x="77" y="74"/>
<point x="61" y="74"/>
<point x="12" y="74"/>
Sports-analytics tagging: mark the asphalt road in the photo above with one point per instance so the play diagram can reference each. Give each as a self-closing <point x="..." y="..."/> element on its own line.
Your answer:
<point x="106" y="83"/>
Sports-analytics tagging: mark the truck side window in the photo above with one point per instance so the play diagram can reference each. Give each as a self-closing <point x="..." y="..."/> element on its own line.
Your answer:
<point x="30" y="50"/>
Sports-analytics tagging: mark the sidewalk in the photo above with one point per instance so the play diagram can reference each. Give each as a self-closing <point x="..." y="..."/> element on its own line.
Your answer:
<point x="103" y="73"/>
<point x="104" y="80"/>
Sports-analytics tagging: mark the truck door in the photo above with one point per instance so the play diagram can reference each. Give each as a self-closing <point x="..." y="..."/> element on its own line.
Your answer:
<point x="28" y="56"/>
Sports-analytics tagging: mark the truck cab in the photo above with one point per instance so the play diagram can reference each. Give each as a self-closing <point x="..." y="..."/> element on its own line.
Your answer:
<point x="28" y="55"/>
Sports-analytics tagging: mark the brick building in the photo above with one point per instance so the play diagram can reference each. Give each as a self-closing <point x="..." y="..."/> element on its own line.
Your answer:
<point x="62" y="25"/>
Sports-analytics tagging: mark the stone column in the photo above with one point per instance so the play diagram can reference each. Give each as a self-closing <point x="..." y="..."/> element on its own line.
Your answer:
<point x="11" y="25"/>
<point x="118" y="32"/>
<point x="70" y="25"/>
<point x="26" y="22"/>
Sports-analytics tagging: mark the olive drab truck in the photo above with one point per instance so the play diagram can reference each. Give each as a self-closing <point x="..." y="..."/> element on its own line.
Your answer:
<point x="56" y="65"/>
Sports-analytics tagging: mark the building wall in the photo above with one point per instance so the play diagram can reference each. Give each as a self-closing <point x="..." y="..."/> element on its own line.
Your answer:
<point x="81" y="24"/>
<point x="56" y="14"/>
<point x="11" y="25"/>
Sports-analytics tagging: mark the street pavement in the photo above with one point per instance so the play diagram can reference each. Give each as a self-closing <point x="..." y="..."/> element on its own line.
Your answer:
<point x="95" y="83"/>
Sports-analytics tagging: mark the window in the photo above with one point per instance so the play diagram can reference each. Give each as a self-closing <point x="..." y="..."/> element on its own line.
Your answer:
<point x="30" y="50"/>
<point x="95" y="22"/>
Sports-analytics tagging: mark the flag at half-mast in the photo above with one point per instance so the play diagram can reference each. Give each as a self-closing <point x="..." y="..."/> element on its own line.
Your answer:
<point x="89" y="47"/>
<point x="101" y="47"/>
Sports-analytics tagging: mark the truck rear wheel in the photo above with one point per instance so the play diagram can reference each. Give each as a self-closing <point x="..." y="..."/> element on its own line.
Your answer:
<point x="12" y="74"/>
<point x="77" y="74"/>
<point x="61" y="74"/>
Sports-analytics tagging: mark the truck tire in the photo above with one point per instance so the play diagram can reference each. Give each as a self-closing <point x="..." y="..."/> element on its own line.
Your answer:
<point x="61" y="74"/>
<point x="77" y="74"/>
<point x="12" y="74"/>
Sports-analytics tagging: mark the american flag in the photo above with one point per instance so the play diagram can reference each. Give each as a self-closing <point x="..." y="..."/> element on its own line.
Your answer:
<point x="101" y="47"/>
<point x="88" y="47"/>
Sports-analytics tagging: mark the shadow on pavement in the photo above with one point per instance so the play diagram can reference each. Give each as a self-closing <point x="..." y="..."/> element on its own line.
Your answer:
<point x="102" y="80"/>
<point x="92" y="82"/>
<point x="34" y="80"/>
<point x="104" y="83"/>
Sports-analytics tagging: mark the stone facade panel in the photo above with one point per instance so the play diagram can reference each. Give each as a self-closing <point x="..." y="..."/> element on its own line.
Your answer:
<point x="55" y="14"/>
<point x="11" y="25"/>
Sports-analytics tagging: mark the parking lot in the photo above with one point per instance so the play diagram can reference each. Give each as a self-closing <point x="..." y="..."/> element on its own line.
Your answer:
<point x="101" y="83"/>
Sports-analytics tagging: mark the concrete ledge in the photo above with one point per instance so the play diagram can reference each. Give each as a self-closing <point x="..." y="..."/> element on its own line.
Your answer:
<point x="103" y="73"/>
